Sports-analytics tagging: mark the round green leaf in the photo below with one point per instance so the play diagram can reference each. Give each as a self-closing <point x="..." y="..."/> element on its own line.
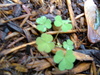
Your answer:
<point x="58" y="56"/>
<point x="39" y="41"/>
<point x="62" y="65"/>
<point x="49" y="47"/>
<point x="57" y="23"/>
<point x="52" y="45"/>
<point x="69" y="52"/>
<point x="65" y="24"/>
<point x="58" y="18"/>
<point x="41" y="47"/>
<point x="44" y="23"/>
<point x="47" y="37"/>
<point x="65" y="60"/>
<point x="69" y="66"/>
<point x="70" y="56"/>
<point x="69" y="47"/>
<point x="48" y="23"/>
<point x="65" y="65"/>
<point x="44" y="47"/>
<point x="41" y="20"/>
<point x="64" y="44"/>
<point x="44" y="43"/>
<point x="70" y="42"/>
<point x="41" y="28"/>
<point x="66" y="27"/>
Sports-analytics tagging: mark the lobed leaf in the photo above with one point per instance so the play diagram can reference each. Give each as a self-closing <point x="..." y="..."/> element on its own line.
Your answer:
<point x="47" y="37"/>
<point x="44" y="43"/>
<point x="41" y="20"/>
<point x="41" y="28"/>
<point x="44" y="23"/>
<point x="65" y="61"/>
<point x="70" y="56"/>
<point x="65" y="24"/>
<point x="68" y="45"/>
<point x="58" y="18"/>
<point x="48" y="23"/>
<point x="66" y="27"/>
<point x="58" y="56"/>
<point x="39" y="41"/>
<point x="62" y="65"/>
<point x="69" y="66"/>
<point x="70" y="42"/>
<point x="41" y="47"/>
<point x="58" y="21"/>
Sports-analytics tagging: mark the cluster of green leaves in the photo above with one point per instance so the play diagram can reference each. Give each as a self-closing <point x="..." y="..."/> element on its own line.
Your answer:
<point x="65" y="60"/>
<point x="68" y="45"/>
<point x="64" y="24"/>
<point x="45" y="42"/>
<point x="44" y="23"/>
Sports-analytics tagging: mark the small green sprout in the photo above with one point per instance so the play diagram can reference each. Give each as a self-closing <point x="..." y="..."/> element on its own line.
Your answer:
<point x="68" y="45"/>
<point x="64" y="24"/>
<point x="44" y="43"/>
<point x="65" y="61"/>
<point x="43" y="23"/>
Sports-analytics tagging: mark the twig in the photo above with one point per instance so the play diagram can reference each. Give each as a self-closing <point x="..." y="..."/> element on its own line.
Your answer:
<point x="5" y="52"/>
<point x="21" y="25"/>
<point x="20" y="17"/>
<point x="14" y="34"/>
<point x="14" y="42"/>
<point x="78" y="16"/>
<point x="70" y="31"/>
<point x="32" y="24"/>
<point x="6" y="5"/>
<point x="71" y="13"/>
<point x="11" y="35"/>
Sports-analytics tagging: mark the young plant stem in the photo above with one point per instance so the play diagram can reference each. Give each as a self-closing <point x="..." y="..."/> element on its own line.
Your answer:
<point x="57" y="34"/>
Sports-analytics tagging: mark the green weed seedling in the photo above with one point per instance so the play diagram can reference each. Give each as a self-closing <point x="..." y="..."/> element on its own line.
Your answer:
<point x="68" y="45"/>
<point x="44" y="43"/>
<point x="65" y="60"/>
<point x="43" y="23"/>
<point x="64" y="24"/>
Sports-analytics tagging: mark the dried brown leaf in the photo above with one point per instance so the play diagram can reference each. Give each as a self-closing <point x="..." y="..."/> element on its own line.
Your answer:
<point x="38" y="65"/>
<point x="81" y="67"/>
<point x="19" y="67"/>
